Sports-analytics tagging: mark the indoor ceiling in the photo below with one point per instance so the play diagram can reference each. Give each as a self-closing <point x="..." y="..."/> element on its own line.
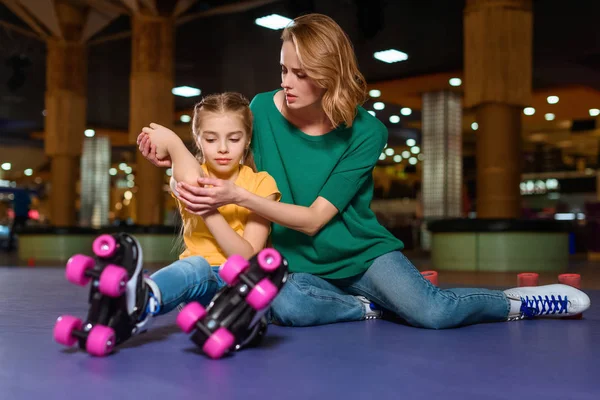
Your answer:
<point x="218" y="51"/>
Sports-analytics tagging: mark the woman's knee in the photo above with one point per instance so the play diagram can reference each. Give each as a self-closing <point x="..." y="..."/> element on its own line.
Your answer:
<point x="293" y="305"/>
<point x="439" y="313"/>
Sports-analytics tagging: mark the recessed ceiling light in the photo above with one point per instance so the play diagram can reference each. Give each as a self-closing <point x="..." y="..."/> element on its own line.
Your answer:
<point x="273" y="21"/>
<point x="455" y="82"/>
<point x="186" y="91"/>
<point x="390" y="56"/>
<point x="374" y="93"/>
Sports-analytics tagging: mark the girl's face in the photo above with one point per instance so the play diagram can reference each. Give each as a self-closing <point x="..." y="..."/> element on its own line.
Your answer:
<point x="300" y="90"/>
<point x="223" y="141"/>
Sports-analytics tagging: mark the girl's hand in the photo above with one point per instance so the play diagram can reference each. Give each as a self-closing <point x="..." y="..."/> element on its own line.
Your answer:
<point x="210" y="195"/>
<point x="148" y="150"/>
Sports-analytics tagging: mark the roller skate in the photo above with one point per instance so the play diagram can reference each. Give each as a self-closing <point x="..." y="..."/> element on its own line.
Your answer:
<point x="120" y="297"/>
<point x="235" y="318"/>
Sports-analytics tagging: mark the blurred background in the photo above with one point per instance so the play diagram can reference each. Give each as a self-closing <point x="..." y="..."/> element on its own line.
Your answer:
<point x="492" y="109"/>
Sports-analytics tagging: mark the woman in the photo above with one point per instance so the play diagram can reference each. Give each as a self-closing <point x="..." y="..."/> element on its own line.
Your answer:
<point x="317" y="142"/>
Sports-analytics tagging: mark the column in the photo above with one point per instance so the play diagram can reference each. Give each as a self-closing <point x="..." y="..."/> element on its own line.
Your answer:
<point x="498" y="65"/>
<point x="151" y="100"/>
<point x="65" y="100"/>
<point x="442" y="147"/>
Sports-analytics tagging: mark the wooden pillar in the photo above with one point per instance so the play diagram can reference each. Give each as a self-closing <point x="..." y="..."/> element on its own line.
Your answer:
<point x="65" y="101"/>
<point x="498" y="65"/>
<point x="151" y="101"/>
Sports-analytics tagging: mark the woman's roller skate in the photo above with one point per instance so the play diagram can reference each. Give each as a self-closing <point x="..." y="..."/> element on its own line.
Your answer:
<point x="118" y="299"/>
<point x="235" y="317"/>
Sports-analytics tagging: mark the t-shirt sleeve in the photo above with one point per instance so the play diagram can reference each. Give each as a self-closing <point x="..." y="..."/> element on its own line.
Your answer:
<point x="353" y="169"/>
<point x="266" y="186"/>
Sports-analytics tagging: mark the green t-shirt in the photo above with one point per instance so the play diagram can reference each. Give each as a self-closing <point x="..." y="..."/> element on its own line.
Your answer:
<point x="337" y="166"/>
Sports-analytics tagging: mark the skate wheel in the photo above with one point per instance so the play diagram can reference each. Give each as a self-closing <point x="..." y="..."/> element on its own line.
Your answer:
<point x="100" y="340"/>
<point x="218" y="343"/>
<point x="262" y="294"/>
<point x="113" y="281"/>
<point x="76" y="267"/>
<point x="104" y="246"/>
<point x="571" y="280"/>
<point x="269" y="259"/>
<point x="527" y="279"/>
<point x="232" y="268"/>
<point x="431" y="276"/>
<point x="63" y="329"/>
<point x="189" y="316"/>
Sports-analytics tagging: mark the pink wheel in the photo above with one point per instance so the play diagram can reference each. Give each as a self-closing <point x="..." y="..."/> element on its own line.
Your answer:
<point x="269" y="259"/>
<point x="113" y="281"/>
<point x="232" y="268"/>
<point x="262" y="294"/>
<point x="218" y="343"/>
<point x="63" y="329"/>
<point x="189" y="316"/>
<point x="104" y="246"/>
<point x="100" y="341"/>
<point x="76" y="267"/>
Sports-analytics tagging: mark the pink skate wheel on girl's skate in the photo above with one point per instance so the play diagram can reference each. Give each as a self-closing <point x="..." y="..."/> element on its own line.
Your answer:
<point x="63" y="329"/>
<point x="218" y="343"/>
<point x="100" y="340"/>
<point x="431" y="276"/>
<point x="232" y="268"/>
<point x="113" y="281"/>
<point x="269" y="259"/>
<point x="262" y="294"/>
<point x="527" y="279"/>
<point x="104" y="246"/>
<point x="189" y="316"/>
<point x="76" y="267"/>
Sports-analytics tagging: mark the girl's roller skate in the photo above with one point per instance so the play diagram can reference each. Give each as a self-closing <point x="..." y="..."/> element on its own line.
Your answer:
<point x="120" y="298"/>
<point x="235" y="317"/>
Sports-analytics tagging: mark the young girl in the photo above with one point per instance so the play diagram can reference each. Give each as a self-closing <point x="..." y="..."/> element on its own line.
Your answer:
<point x="222" y="131"/>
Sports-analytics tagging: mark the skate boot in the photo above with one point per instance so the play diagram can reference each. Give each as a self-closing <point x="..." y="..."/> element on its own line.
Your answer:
<point x="121" y="299"/>
<point x="235" y="318"/>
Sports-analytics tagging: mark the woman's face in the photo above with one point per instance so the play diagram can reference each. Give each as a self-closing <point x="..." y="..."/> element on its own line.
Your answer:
<point x="300" y="90"/>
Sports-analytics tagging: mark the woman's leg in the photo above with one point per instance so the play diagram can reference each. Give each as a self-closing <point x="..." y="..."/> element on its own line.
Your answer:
<point x="186" y="280"/>
<point x="307" y="300"/>
<point x="395" y="284"/>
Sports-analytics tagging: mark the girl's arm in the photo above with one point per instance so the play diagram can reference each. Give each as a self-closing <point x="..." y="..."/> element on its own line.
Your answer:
<point x="255" y="236"/>
<point x="308" y="220"/>
<point x="185" y="166"/>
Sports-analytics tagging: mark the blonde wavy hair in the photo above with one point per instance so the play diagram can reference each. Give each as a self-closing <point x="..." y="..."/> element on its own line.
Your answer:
<point x="326" y="54"/>
<point x="222" y="103"/>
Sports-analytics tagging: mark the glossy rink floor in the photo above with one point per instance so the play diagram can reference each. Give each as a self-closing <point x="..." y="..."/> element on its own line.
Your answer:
<point x="542" y="359"/>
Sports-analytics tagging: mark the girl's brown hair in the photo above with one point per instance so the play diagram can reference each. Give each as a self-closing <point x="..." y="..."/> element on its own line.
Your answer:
<point x="228" y="102"/>
<point x="327" y="55"/>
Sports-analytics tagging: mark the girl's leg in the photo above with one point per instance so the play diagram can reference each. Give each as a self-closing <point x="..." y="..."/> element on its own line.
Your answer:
<point x="395" y="284"/>
<point x="307" y="300"/>
<point x="186" y="280"/>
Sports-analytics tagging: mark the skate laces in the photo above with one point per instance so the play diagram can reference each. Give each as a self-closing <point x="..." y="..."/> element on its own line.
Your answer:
<point x="532" y="306"/>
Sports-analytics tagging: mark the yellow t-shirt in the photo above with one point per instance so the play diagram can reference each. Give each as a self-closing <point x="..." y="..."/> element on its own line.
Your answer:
<point x="198" y="239"/>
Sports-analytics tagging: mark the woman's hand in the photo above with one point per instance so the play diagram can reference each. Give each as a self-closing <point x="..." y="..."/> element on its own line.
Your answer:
<point x="148" y="150"/>
<point x="210" y="195"/>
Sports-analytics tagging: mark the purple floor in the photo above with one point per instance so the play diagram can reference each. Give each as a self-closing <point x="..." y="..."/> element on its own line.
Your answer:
<point x="543" y="359"/>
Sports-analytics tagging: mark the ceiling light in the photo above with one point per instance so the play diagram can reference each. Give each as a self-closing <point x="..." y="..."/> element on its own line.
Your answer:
<point x="406" y="111"/>
<point x="594" y="112"/>
<point x="185" y="118"/>
<point x="552" y="99"/>
<point x="390" y="56"/>
<point x="273" y="21"/>
<point x="185" y="91"/>
<point x="374" y="93"/>
<point x="529" y="111"/>
<point x="394" y="119"/>
<point x="411" y="142"/>
<point x="455" y="82"/>
<point x="28" y="172"/>
<point x="474" y="126"/>
<point x="549" y="117"/>
<point x="89" y="133"/>
<point x="379" y="106"/>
